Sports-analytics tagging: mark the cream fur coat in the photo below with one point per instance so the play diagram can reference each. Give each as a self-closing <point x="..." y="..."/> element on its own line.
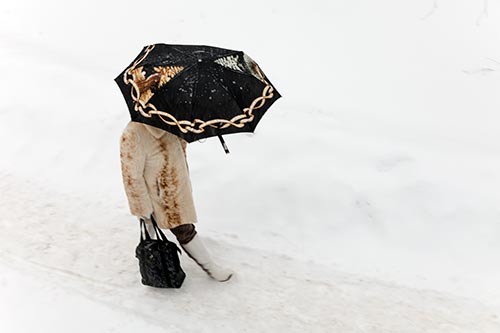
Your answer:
<point x="156" y="175"/>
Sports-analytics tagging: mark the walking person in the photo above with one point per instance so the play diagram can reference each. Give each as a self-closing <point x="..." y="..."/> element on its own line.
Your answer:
<point x="156" y="179"/>
<point x="177" y="94"/>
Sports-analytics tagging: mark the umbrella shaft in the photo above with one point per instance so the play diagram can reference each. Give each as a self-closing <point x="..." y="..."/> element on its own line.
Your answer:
<point x="223" y="144"/>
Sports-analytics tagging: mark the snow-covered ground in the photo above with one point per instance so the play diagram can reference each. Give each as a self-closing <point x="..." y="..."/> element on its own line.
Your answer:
<point x="367" y="200"/>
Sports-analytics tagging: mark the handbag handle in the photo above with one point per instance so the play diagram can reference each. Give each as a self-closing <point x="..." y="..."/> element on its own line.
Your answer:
<point x="158" y="231"/>
<point x="144" y="230"/>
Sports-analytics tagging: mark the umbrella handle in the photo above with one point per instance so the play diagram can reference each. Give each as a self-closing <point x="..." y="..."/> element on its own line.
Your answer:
<point x="223" y="144"/>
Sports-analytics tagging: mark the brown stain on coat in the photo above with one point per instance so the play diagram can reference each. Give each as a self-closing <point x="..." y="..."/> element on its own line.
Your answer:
<point x="128" y="143"/>
<point x="169" y="184"/>
<point x="155" y="175"/>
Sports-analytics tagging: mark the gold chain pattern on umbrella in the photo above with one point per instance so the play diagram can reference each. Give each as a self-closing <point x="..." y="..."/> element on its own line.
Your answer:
<point x="141" y="93"/>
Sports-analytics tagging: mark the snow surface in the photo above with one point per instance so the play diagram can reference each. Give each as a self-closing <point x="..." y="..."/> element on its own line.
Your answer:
<point x="367" y="200"/>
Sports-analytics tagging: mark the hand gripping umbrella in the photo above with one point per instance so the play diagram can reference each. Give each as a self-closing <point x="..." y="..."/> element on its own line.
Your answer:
<point x="196" y="92"/>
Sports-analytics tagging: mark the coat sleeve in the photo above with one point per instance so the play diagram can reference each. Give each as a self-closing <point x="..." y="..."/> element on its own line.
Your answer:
<point x="133" y="158"/>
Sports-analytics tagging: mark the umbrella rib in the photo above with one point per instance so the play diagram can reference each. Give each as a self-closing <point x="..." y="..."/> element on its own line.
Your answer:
<point x="183" y="53"/>
<point x="233" y="99"/>
<point x="220" y="85"/>
<point x="195" y="87"/>
<point x="229" y="92"/>
<point x="231" y="52"/>
<point x="181" y="72"/>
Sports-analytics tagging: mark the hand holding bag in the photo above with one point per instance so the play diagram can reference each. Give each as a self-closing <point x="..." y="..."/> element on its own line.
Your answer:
<point x="159" y="262"/>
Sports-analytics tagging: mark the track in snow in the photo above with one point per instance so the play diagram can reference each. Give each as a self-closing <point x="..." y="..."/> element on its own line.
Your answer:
<point x="85" y="248"/>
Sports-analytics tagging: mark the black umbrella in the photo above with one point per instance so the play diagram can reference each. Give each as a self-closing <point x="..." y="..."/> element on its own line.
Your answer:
<point x="196" y="92"/>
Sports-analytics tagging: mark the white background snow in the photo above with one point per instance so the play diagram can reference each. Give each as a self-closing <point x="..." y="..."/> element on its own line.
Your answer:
<point x="366" y="201"/>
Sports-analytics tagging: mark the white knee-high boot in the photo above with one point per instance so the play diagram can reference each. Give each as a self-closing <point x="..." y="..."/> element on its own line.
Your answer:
<point x="199" y="253"/>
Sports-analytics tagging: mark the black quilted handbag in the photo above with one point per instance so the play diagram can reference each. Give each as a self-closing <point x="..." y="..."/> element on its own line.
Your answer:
<point x="158" y="259"/>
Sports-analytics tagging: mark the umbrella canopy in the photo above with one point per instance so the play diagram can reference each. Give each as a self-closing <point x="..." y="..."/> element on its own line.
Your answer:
<point x="196" y="92"/>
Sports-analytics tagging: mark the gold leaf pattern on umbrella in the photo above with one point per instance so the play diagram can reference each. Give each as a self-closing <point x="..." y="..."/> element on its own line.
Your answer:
<point x="167" y="73"/>
<point x="145" y="86"/>
<point x="231" y="62"/>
